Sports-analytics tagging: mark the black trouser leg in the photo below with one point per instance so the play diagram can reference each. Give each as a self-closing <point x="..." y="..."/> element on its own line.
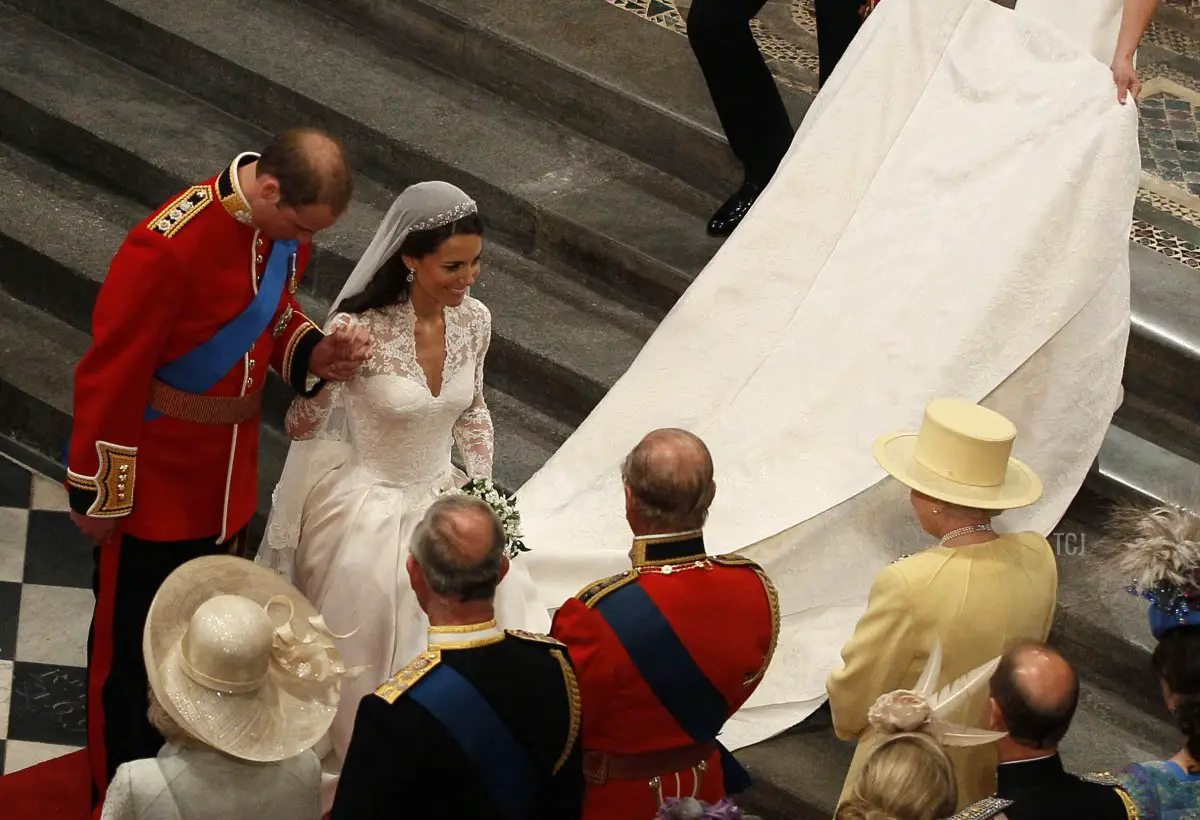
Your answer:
<point x="743" y="91"/>
<point x="128" y="573"/>
<point x="837" y="23"/>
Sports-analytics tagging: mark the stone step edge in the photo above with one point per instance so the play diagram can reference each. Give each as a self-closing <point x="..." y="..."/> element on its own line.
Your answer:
<point x="551" y="86"/>
<point x="537" y="230"/>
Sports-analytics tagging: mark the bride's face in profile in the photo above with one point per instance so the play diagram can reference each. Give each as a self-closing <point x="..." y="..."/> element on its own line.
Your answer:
<point x="446" y="275"/>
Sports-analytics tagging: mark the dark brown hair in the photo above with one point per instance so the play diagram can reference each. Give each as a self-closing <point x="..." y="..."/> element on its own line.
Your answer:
<point x="1176" y="660"/>
<point x="311" y="168"/>
<point x="390" y="285"/>
<point x="1035" y="726"/>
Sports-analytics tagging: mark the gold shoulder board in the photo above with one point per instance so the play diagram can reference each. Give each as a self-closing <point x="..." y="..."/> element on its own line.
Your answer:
<point x="1100" y="779"/>
<point x="732" y="559"/>
<point x="983" y="810"/>
<point x="181" y="210"/>
<point x="592" y="593"/>
<point x="403" y="680"/>
<point x="535" y="637"/>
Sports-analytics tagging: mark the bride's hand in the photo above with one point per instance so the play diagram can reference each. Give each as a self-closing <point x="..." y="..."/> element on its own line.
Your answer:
<point x="1126" y="78"/>
<point x="339" y="355"/>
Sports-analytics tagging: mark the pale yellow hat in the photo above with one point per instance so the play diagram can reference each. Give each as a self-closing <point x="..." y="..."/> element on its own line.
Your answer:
<point x="961" y="455"/>
<point x="241" y="660"/>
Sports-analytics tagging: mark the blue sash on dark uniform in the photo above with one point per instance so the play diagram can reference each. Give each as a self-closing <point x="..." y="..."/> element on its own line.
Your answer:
<point x="200" y="369"/>
<point x="671" y="673"/>
<point x="505" y="766"/>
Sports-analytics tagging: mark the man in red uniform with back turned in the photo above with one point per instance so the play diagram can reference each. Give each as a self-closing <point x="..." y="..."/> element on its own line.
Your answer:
<point x="198" y="302"/>
<point x="665" y="652"/>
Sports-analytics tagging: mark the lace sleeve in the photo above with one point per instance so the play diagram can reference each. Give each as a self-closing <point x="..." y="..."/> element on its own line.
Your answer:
<point x="473" y="431"/>
<point x="306" y="415"/>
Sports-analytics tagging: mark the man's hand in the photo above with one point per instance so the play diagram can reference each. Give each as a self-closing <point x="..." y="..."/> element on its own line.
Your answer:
<point x="338" y="356"/>
<point x="1126" y="78"/>
<point x="96" y="529"/>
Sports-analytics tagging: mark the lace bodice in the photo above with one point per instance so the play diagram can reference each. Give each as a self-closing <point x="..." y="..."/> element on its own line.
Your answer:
<point x="398" y="429"/>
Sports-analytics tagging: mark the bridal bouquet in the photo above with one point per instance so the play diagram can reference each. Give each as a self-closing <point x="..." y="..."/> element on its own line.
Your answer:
<point x="505" y="507"/>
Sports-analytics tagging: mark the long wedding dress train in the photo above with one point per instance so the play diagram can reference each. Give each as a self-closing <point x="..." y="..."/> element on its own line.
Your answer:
<point x="952" y="219"/>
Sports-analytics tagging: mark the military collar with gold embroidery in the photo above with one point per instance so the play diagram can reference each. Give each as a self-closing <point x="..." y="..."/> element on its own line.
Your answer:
<point x="668" y="550"/>
<point x="464" y="637"/>
<point x="229" y="189"/>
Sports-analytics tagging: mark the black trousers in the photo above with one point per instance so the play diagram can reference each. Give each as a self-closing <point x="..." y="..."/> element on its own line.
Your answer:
<point x="743" y="91"/>
<point x="128" y="573"/>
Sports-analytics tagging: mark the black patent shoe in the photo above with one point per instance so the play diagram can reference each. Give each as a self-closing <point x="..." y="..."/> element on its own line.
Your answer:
<point x="730" y="215"/>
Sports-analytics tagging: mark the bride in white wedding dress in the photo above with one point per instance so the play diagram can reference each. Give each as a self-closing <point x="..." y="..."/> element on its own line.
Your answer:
<point x="952" y="220"/>
<point x="372" y="454"/>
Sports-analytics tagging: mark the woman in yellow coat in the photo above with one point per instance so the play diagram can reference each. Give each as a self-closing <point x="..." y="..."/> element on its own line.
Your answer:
<point x="977" y="591"/>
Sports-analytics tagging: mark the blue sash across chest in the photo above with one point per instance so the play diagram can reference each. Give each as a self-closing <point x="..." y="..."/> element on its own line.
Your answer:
<point x="200" y="369"/>
<point x="501" y="761"/>
<point x="671" y="672"/>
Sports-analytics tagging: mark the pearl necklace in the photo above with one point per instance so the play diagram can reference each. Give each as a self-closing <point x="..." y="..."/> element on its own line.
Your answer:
<point x="950" y="536"/>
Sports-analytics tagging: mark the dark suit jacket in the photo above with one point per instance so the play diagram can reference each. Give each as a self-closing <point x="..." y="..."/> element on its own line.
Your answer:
<point x="1042" y="789"/>
<point x="402" y="762"/>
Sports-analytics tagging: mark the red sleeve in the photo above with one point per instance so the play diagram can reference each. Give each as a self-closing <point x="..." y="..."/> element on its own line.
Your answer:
<point x="296" y="336"/>
<point x="138" y="304"/>
<point x="586" y="636"/>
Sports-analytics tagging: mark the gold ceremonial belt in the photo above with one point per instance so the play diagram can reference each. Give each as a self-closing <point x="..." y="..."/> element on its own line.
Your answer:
<point x="179" y="404"/>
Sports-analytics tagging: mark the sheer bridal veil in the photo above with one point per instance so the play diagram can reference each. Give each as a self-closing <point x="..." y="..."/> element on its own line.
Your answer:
<point x="420" y="207"/>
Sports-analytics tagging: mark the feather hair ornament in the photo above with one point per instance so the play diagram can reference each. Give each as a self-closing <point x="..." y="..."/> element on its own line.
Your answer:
<point x="924" y="709"/>
<point x="1158" y="551"/>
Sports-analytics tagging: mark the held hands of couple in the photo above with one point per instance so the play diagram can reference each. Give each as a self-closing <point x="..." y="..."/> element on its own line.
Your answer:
<point x="339" y="355"/>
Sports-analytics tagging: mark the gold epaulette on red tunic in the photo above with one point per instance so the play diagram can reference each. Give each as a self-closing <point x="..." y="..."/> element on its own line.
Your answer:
<point x="113" y="482"/>
<point x="181" y="210"/>
<point x="592" y="594"/>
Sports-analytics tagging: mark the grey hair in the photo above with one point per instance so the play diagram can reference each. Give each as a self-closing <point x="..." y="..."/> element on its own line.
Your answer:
<point x="672" y="488"/>
<point x="171" y="731"/>
<point x="437" y="548"/>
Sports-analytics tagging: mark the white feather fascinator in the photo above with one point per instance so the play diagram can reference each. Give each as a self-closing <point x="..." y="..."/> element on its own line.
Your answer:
<point x="1158" y="549"/>
<point x="922" y="709"/>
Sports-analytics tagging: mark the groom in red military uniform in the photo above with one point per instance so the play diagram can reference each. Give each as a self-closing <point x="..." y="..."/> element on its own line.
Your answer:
<point x="199" y="301"/>
<point x="667" y="651"/>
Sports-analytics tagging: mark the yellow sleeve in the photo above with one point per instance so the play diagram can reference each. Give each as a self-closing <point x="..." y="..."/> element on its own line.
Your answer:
<point x="876" y="657"/>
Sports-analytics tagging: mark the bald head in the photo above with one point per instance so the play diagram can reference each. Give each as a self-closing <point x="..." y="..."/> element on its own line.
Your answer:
<point x="669" y="478"/>
<point x="1036" y="691"/>
<point x="311" y="169"/>
<point x="459" y="546"/>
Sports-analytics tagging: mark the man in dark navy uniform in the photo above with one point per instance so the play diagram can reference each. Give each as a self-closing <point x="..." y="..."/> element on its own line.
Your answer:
<point x="485" y="722"/>
<point x="1034" y="695"/>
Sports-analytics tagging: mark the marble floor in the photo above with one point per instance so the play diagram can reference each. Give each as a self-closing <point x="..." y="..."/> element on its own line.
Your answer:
<point x="45" y="609"/>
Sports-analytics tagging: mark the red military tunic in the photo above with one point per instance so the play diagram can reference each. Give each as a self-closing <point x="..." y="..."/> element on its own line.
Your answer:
<point x="724" y="611"/>
<point x="179" y="277"/>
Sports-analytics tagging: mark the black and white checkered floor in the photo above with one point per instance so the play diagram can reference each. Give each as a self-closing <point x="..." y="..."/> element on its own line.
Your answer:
<point x="45" y="609"/>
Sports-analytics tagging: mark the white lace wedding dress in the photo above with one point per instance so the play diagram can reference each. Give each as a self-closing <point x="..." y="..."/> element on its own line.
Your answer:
<point x="952" y="220"/>
<point x="350" y="541"/>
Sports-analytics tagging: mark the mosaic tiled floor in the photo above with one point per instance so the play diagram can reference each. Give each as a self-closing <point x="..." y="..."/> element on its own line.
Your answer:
<point x="45" y="608"/>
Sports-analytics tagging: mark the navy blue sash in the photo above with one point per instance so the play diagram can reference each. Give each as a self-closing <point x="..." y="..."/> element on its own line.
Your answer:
<point x="200" y="369"/>
<point x="671" y="672"/>
<point x="500" y="760"/>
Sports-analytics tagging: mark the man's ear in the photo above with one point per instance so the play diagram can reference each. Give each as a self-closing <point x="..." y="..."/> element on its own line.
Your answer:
<point x="995" y="717"/>
<point x="268" y="189"/>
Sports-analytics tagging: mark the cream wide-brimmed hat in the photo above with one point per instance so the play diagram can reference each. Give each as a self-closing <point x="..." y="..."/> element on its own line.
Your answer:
<point x="961" y="455"/>
<point x="241" y="660"/>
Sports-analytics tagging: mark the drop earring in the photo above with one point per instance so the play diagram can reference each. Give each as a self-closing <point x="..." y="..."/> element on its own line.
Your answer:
<point x="409" y="277"/>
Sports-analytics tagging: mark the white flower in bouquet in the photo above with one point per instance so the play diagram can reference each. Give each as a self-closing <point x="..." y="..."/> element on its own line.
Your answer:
<point x="504" y="506"/>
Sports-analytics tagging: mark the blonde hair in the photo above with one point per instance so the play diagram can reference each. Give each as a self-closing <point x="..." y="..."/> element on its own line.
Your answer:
<point x="171" y="731"/>
<point x="908" y="777"/>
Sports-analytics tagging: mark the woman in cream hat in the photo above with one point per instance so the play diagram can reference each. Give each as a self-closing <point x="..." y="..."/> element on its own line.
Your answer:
<point x="976" y="591"/>
<point x="244" y="679"/>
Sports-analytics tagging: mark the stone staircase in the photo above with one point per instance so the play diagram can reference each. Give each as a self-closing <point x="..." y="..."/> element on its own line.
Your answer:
<point x="586" y="134"/>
